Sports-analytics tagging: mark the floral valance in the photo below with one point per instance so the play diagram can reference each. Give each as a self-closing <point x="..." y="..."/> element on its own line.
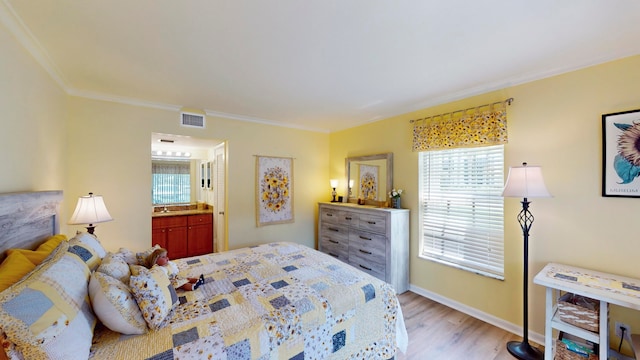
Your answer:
<point x="482" y="126"/>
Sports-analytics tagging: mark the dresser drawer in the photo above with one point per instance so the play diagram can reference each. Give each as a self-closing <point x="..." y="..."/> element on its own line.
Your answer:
<point x="331" y="216"/>
<point x="341" y="217"/>
<point x="337" y="250"/>
<point x="335" y="232"/>
<point x="372" y="223"/>
<point x="374" y="243"/>
<point x="367" y="261"/>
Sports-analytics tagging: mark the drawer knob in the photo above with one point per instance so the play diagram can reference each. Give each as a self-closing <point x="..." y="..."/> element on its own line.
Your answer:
<point x="334" y="255"/>
<point x="333" y="241"/>
<point x="371" y="222"/>
<point x="365" y="252"/>
<point x="364" y="238"/>
<point x="348" y="218"/>
<point x="329" y="214"/>
<point x="334" y="229"/>
<point x="364" y="267"/>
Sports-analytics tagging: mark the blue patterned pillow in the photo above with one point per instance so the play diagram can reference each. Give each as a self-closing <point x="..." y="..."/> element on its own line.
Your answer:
<point x="47" y="314"/>
<point x="85" y="252"/>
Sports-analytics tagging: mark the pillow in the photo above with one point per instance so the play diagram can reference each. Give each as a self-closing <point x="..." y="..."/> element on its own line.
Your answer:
<point x="114" y="266"/>
<point x="51" y="243"/>
<point x="128" y="256"/>
<point x="35" y="257"/>
<point x="115" y="306"/>
<point x="47" y="314"/>
<point x="84" y="252"/>
<point x="14" y="267"/>
<point x="154" y="293"/>
<point x="38" y="255"/>
<point x="136" y="269"/>
<point x="92" y="241"/>
<point x="141" y="257"/>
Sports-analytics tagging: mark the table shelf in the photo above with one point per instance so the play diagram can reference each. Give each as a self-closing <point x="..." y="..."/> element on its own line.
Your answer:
<point x="558" y="324"/>
<point x="606" y="288"/>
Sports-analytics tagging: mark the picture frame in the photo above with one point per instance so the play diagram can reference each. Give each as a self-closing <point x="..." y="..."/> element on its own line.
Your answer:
<point x="274" y="190"/>
<point x="369" y="181"/>
<point x="621" y="154"/>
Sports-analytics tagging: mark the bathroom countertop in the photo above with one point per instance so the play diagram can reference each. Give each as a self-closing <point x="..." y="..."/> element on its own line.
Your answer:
<point x="182" y="212"/>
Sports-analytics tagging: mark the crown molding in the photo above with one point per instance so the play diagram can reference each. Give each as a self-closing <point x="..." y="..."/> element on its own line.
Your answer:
<point x="23" y="35"/>
<point x="123" y="100"/>
<point x="262" y="121"/>
<point x="517" y="80"/>
<point x="12" y="21"/>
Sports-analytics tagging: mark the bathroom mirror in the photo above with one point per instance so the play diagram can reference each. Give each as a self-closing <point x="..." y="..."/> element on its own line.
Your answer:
<point x="369" y="177"/>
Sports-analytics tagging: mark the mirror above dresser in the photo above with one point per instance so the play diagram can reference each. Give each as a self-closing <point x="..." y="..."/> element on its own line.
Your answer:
<point x="369" y="177"/>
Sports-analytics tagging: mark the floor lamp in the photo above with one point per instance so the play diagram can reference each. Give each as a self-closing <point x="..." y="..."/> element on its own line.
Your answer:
<point x="525" y="182"/>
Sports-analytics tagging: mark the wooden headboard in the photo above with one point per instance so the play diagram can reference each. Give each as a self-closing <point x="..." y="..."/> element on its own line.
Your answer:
<point x="28" y="218"/>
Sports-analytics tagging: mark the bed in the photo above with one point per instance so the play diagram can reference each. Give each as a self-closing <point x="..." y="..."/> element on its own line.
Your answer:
<point x="279" y="300"/>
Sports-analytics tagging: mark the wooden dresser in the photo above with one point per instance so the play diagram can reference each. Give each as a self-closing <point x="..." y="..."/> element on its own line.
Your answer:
<point x="374" y="240"/>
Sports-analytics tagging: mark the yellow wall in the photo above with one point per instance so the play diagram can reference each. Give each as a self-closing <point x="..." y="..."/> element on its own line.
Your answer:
<point x="33" y="112"/>
<point x="110" y="149"/>
<point x="554" y="123"/>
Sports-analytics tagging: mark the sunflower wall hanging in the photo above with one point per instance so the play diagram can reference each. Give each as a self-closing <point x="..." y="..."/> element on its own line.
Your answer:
<point x="274" y="190"/>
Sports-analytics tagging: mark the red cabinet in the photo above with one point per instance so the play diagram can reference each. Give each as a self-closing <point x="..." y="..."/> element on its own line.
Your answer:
<point x="183" y="235"/>
<point x="199" y="234"/>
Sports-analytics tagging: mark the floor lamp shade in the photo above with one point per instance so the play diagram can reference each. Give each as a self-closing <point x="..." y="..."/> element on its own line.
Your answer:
<point x="90" y="210"/>
<point x="525" y="182"/>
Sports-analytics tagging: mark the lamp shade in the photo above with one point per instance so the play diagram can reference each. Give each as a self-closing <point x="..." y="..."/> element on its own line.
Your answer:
<point x="334" y="183"/>
<point x="525" y="182"/>
<point x="90" y="210"/>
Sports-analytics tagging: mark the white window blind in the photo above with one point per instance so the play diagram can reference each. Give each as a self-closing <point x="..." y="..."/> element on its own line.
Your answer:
<point x="462" y="209"/>
<point x="171" y="182"/>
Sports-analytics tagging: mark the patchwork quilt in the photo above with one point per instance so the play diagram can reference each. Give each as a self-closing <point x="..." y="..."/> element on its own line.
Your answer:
<point x="273" y="301"/>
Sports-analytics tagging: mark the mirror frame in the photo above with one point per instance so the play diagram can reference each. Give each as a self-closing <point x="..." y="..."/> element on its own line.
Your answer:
<point x="389" y="164"/>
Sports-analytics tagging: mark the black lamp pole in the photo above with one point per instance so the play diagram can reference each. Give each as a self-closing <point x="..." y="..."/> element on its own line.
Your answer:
<point x="521" y="349"/>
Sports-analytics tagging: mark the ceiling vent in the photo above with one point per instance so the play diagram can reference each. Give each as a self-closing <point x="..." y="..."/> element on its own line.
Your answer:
<point x="192" y="120"/>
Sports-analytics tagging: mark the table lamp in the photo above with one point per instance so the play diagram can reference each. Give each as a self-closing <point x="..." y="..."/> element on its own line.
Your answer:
<point x="90" y="210"/>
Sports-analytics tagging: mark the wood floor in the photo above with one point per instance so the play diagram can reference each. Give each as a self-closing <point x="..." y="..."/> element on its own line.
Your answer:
<point x="439" y="332"/>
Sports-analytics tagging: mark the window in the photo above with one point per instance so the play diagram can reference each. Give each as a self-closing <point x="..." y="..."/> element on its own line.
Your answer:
<point x="171" y="183"/>
<point x="461" y="208"/>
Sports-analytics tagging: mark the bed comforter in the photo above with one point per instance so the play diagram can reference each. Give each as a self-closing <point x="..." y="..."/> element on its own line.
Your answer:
<point x="273" y="301"/>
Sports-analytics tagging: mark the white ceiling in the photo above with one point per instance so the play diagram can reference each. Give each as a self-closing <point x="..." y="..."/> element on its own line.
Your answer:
<point x="314" y="64"/>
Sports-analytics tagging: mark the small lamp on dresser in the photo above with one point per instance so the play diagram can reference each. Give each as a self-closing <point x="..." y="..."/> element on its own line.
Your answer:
<point x="334" y="185"/>
<point x="90" y="210"/>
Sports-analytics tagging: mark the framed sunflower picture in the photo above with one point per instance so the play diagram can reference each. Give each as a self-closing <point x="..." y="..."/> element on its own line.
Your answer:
<point x="369" y="182"/>
<point x="274" y="190"/>
<point x="621" y="154"/>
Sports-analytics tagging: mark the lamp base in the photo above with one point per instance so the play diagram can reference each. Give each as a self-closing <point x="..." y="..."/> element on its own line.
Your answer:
<point x="524" y="351"/>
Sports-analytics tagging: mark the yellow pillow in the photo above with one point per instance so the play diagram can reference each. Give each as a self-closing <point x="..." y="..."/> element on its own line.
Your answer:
<point x="52" y="242"/>
<point x="36" y="257"/>
<point x="14" y="267"/>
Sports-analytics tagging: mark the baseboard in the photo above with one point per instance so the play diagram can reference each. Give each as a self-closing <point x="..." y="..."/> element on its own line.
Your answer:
<point x="505" y="325"/>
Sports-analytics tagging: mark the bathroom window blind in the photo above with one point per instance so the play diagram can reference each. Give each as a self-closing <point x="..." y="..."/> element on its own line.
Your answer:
<point x="171" y="182"/>
<point x="461" y="208"/>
